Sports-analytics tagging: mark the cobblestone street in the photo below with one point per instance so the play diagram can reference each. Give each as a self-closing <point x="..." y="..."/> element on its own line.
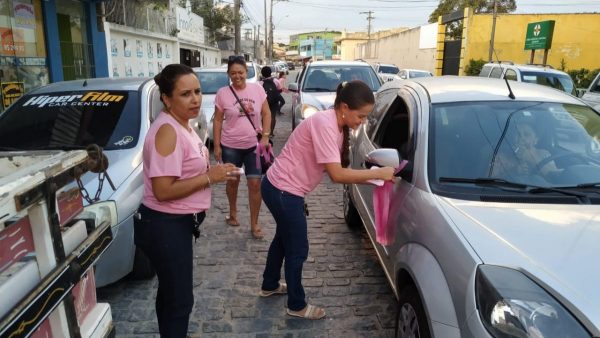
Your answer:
<point x="342" y="275"/>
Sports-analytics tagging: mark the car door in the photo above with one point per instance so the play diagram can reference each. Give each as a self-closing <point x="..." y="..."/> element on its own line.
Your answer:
<point x="389" y="126"/>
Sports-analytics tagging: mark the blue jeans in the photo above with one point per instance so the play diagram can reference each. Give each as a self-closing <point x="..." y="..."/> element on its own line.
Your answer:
<point x="245" y="157"/>
<point x="290" y="242"/>
<point x="166" y="239"/>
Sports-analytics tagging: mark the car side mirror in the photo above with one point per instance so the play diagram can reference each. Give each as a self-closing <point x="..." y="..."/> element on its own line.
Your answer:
<point x="293" y="87"/>
<point x="384" y="157"/>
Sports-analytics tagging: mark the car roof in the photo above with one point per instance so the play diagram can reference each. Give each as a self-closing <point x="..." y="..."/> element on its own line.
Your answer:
<point x="123" y="83"/>
<point x="387" y="64"/>
<point x="338" y="63"/>
<point x="531" y="68"/>
<point x="443" y="89"/>
<point x="210" y="69"/>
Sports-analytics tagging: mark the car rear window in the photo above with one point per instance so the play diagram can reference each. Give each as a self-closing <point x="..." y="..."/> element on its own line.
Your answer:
<point x="212" y="81"/>
<point x="326" y="78"/>
<point x="389" y="69"/>
<point x="554" y="80"/>
<point x="64" y="120"/>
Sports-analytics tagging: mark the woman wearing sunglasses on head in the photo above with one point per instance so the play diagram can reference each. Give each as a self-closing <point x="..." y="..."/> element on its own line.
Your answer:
<point x="241" y="112"/>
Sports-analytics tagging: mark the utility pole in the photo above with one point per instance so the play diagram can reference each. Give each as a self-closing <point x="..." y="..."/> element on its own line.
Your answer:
<point x="266" y="36"/>
<point x="255" y="50"/>
<point x="491" y="51"/>
<point x="369" y="18"/>
<point x="236" y="13"/>
<point x="271" y="33"/>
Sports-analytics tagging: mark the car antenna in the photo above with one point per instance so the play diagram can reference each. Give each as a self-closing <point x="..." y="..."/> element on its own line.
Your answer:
<point x="85" y="83"/>
<point x="510" y="92"/>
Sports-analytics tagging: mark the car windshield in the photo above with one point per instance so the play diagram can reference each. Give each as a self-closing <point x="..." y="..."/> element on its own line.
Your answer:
<point x="64" y="120"/>
<point x="416" y="73"/>
<point x="533" y="143"/>
<point x="389" y="69"/>
<point x="326" y="78"/>
<point x="558" y="81"/>
<point x="251" y="73"/>
<point x="212" y="81"/>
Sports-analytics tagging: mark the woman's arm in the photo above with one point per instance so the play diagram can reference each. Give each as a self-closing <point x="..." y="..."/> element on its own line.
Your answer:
<point x="217" y="128"/>
<point x="265" y="113"/>
<point x="338" y="174"/>
<point x="167" y="188"/>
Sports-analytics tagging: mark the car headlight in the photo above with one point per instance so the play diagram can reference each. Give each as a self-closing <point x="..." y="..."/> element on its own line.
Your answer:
<point x="308" y="110"/>
<point x="512" y="305"/>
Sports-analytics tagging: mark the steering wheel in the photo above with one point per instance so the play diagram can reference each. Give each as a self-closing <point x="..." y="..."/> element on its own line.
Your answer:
<point x="538" y="167"/>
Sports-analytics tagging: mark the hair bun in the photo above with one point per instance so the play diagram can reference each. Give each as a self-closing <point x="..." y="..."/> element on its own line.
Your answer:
<point x="157" y="78"/>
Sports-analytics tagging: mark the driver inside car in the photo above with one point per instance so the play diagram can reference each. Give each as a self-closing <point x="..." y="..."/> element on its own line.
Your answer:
<point x="525" y="156"/>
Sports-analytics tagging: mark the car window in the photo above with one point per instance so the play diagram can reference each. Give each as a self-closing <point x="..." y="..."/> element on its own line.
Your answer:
<point x="251" y="71"/>
<point x="212" y="81"/>
<point x="508" y="140"/>
<point x="596" y="86"/>
<point x="485" y="71"/>
<point x="383" y="101"/>
<point x="388" y="69"/>
<point x="414" y="74"/>
<point x="510" y="75"/>
<point x="61" y="120"/>
<point x="326" y="78"/>
<point x="554" y="80"/>
<point x="496" y="72"/>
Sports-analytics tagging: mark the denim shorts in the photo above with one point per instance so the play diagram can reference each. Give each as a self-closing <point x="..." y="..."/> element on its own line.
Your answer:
<point x="239" y="157"/>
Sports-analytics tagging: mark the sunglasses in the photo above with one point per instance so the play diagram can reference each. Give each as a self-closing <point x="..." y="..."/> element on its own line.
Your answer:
<point x="233" y="58"/>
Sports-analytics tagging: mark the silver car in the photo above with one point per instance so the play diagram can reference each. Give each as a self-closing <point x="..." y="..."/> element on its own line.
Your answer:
<point x="116" y="115"/>
<point x="314" y="89"/>
<point x="495" y="220"/>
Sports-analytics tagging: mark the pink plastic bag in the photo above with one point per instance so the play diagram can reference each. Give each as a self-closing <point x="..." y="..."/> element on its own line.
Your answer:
<point x="382" y="196"/>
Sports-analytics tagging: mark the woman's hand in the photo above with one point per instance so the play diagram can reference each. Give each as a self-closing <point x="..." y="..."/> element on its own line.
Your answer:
<point x="222" y="172"/>
<point x="218" y="152"/>
<point x="264" y="140"/>
<point x="385" y="173"/>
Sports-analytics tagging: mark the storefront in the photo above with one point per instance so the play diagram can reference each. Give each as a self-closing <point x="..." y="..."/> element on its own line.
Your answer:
<point x="22" y="51"/>
<point x="46" y="41"/>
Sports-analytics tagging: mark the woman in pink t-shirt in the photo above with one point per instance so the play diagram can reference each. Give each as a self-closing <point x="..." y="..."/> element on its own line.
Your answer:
<point x="319" y="145"/>
<point x="241" y="112"/>
<point x="177" y="179"/>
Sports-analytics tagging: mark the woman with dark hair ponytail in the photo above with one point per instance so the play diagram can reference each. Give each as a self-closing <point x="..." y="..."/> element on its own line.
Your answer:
<point x="320" y="144"/>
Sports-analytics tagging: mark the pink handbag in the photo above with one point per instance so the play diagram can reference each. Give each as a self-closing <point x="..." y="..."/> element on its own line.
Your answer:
<point x="382" y="196"/>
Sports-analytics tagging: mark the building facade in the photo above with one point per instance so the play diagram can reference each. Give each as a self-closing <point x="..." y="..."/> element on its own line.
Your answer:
<point x="316" y="45"/>
<point x="48" y="41"/>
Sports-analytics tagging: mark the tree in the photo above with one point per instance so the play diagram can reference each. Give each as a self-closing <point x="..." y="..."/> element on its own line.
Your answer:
<point x="479" y="6"/>
<point x="219" y="20"/>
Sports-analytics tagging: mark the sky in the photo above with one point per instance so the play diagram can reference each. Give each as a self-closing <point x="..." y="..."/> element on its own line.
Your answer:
<point x="298" y="16"/>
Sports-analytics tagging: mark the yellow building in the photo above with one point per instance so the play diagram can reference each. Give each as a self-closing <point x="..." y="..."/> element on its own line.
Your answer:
<point x="575" y="43"/>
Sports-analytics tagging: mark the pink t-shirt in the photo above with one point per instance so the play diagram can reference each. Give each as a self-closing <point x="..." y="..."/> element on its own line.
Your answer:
<point x="190" y="158"/>
<point x="300" y="166"/>
<point x="237" y="132"/>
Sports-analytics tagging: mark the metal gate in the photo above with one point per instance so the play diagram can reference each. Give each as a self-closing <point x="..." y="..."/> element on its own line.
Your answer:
<point x="452" y="42"/>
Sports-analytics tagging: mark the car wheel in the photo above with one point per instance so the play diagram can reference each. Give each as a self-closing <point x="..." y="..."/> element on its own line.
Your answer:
<point x="142" y="268"/>
<point x="351" y="215"/>
<point x="411" y="320"/>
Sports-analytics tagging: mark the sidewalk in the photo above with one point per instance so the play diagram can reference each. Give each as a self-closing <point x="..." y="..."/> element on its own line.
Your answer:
<point x="342" y="275"/>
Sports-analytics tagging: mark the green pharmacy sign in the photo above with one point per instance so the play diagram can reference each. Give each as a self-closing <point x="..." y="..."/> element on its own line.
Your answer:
<point x="539" y="35"/>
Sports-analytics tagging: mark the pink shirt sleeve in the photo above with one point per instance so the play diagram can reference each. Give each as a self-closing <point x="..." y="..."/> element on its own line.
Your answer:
<point x="219" y="99"/>
<point x="325" y="142"/>
<point x="169" y="165"/>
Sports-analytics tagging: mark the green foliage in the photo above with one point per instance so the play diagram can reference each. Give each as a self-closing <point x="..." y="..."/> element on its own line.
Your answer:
<point x="217" y="19"/>
<point x="583" y="77"/>
<point x="479" y="6"/>
<point x="563" y="64"/>
<point x="474" y="67"/>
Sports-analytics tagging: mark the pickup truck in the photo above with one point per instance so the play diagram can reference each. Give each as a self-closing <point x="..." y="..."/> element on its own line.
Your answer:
<point x="48" y="245"/>
<point x="592" y="95"/>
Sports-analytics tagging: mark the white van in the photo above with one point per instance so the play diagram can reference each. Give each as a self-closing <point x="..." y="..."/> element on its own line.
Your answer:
<point x="592" y="95"/>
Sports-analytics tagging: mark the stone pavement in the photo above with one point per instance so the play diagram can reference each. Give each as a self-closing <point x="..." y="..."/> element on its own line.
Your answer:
<point x="342" y="275"/>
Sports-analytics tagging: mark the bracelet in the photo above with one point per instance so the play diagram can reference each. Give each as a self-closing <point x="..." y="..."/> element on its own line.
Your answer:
<point x="266" y="134"/>
<point x="207" y="180"/>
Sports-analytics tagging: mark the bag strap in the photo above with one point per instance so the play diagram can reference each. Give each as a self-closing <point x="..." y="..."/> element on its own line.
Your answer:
<point x="244" y="109"/>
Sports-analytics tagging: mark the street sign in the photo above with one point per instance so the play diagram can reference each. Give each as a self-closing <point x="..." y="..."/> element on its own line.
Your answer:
<point x="539" y="35"/>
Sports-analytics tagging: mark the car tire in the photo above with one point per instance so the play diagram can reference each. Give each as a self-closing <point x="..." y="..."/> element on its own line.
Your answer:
<point x="351" y="215"/>
<point x="411" y="320"/>
<point x="142" y="268"/>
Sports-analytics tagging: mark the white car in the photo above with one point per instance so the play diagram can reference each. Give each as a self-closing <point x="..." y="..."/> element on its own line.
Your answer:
<point x="387" y="72"/>
<point x="413" y="73"/>
<point x="318" y="81"/>
<point x="592" y="95"/>
<point x="539" y="74"/>
<point x="211" y="79"/>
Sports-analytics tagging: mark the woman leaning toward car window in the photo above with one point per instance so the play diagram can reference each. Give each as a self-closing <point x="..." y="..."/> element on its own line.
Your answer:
<point x="177" y="180"/>
<point x="320" y="143"/>
<point x="235" y="137"/>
